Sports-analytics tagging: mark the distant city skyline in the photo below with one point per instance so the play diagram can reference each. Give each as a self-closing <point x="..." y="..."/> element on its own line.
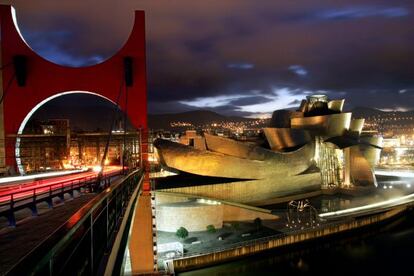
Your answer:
<point x="241" y="57"/>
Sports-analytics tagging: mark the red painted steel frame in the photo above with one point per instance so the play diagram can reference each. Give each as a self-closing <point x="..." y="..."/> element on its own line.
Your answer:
<point x="45" y="79"/>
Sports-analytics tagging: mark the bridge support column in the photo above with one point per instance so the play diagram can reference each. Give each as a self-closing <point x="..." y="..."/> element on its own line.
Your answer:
<point x="3" y="169"/>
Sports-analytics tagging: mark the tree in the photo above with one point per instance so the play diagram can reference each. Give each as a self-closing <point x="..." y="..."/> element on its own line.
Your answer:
<point x="258" y="223"/>
<point x="182" y="233"/>
<point x="211" y="228"/>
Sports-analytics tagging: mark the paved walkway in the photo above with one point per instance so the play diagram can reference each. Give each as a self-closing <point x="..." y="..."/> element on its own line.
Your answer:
<point x="141" y="241"/>
<point x="31" y="231"/>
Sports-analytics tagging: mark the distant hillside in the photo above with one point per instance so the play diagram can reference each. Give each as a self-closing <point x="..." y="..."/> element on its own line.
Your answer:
<point x="203" y="117"/>
<point x="198" y="117"/>
<point x="364" y="112"/>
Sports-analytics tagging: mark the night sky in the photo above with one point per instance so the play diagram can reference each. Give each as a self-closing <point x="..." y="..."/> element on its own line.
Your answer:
<point x="241" y="57"/>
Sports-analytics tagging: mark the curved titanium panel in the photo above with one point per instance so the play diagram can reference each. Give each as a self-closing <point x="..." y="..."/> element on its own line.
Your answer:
<point x="336" y="105"/>
<point x="281" y="118"/>
<point x="208" y="163"/>
<point x="326" y="125"/>
<point x="284" y="138"/>
<point x="357" y="125"/>
<point x="371" y="149"/>
<point x="361" y="172"/>
<point x="234" y="148"/>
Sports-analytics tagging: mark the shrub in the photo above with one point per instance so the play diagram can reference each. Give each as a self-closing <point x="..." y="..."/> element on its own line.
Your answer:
<point x="211" y="228"/>
<point x="182" y="233"/>
<point x="257" y="222"/>
<point x="235" y="225"/>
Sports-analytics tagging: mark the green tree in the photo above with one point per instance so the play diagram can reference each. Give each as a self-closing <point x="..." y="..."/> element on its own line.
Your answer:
<point x="211" y="228"/>
<point x="182" y="233"/>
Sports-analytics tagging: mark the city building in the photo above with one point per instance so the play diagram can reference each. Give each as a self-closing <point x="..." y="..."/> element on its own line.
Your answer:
<point x="51" y="145"/>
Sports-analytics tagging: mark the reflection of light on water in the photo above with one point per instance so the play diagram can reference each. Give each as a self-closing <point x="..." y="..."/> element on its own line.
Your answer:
<point x="386" y="203"/>
<point x="395" y="173"/>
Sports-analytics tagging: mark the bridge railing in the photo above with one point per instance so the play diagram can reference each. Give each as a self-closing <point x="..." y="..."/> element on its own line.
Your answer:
<point x="81" y="245"/>
<point x="29" y="197"/>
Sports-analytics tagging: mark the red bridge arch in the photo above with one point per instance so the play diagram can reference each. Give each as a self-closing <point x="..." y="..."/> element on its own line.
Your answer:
<point x="45" y="79"/>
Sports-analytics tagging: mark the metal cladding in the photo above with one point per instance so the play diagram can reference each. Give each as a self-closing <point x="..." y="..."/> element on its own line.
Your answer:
<point x="317" y="143"/>
<point x="361" y="171"/>
<point x="371" y="149"/>
<point x="281" y="118"/>
<point x="336" y="105"/>
<point x="234" y="148"/>
<point x="285" y="138"/>
<point x="217" y="162"/>
<point x="357" y="125"/>
<point x="324" y="125"/>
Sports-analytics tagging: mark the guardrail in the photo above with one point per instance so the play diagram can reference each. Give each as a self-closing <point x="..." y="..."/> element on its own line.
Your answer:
<point x="81" y="245"/>
<point x="29" y="197"/>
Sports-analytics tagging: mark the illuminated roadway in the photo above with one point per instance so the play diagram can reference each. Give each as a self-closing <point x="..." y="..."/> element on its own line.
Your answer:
<point x="25" y="189"/>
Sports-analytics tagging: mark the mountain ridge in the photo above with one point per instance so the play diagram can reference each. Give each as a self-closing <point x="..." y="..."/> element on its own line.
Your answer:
<point x="202" y="117"/>
<point x="196" y="117"/>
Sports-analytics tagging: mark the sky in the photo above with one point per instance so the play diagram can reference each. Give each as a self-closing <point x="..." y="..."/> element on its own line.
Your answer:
<point x="241" y="57"/>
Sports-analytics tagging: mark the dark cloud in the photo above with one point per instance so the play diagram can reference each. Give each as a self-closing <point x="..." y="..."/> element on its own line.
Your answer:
<point x="295" y="102"/>
<point x="249" y="101"/>
<point x="196" y="49"/>
<point x="356" y="12"/>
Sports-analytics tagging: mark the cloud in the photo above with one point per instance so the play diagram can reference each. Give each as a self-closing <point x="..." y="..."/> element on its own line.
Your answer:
<point x="357" y="12"/>
<point x="210" y="49"/>
<point x="282" y="98"/>
<point x="213" y="101"/>
<point x="298" y="70"/>
<point x="243" y="66"/>
<point x="249" y="100"/>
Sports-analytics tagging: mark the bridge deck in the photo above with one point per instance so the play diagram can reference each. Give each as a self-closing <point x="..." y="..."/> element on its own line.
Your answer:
<point x="17" y="242"/>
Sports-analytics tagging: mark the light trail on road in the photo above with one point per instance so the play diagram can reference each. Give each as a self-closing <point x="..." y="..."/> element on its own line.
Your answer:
<point x="12" y="179"/>
<point x="41" y="186"/>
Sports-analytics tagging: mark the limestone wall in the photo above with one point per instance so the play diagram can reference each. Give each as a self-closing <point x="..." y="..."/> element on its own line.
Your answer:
<point x="255" y="191"/>
<point x="194" y="217"/>
<point x="175" y="211"/>
<point x="162" y="198"/>
<point x="234" y="213"/>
